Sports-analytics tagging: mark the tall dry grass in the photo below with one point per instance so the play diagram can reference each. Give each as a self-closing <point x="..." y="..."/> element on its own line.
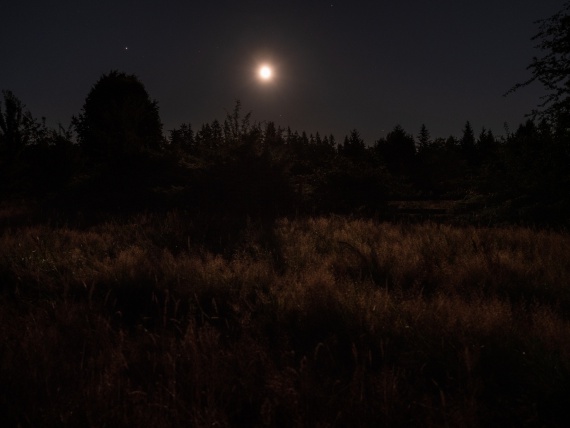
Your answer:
<point x="322" y="321"/>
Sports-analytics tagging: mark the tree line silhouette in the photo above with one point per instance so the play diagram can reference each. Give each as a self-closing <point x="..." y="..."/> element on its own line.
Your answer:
<point x="114" y="153"/>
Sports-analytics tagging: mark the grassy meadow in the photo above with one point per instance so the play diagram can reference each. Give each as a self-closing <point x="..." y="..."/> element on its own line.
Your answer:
<point x="181" y="319"/>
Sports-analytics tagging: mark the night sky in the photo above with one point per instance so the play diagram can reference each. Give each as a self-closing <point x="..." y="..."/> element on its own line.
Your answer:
<point x="338" y="65"/>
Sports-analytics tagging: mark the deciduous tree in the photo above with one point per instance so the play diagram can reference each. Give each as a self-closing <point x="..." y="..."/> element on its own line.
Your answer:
<point x="552" y="69"/>
<point x="118" y="118"/>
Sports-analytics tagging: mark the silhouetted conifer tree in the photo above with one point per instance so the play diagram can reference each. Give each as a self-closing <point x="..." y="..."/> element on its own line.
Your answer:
<point x="424" y="138"/>
<point x="353" y="146"/>
<point x="204" y="136"/>
<point x="318" y="139"/>
<point x="467" y="143"/>
<point x="332" y="141"/>
<point x="451" y="143"/>
<point x="397" y="151"/>
<point x="183" y="138"/>
<point x="487" y="145"/>
<point x="17" y="126"/>
<point x="217" y="137"/>
<point x="272" y="136"/>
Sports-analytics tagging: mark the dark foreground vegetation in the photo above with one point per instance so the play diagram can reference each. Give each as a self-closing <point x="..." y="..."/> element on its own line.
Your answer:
<point x="309" y="322"/>
<point x="250" y="275"/>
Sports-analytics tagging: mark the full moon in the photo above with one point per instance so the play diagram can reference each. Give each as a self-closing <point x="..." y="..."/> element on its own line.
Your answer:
<point x="265" y="72"/>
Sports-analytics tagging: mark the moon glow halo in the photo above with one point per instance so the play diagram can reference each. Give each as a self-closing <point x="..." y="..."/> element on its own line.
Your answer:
<point x="265" y="72"/>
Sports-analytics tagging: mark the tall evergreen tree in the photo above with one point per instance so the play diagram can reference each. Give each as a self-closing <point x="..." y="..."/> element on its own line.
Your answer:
<point x="272" y="136"/>
<point x="17" y="126"/>
<point x="397" y="150"/>
<point x="204" y="137"/>
<point x="318" y="139"/>
<point x="487" y="145"/>
<point x="467" y="143"/>
<point x="424" y="138"/>
<point x="217" y="137"/>
<point x="353" y="145"/>
<point x="182" y="138"/>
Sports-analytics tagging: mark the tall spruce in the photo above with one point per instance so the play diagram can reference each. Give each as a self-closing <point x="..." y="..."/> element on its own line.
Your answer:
<point x="17" y="126"/>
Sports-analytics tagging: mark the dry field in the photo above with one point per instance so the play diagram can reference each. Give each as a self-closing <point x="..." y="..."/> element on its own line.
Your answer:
<point x="178" y="320"/>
